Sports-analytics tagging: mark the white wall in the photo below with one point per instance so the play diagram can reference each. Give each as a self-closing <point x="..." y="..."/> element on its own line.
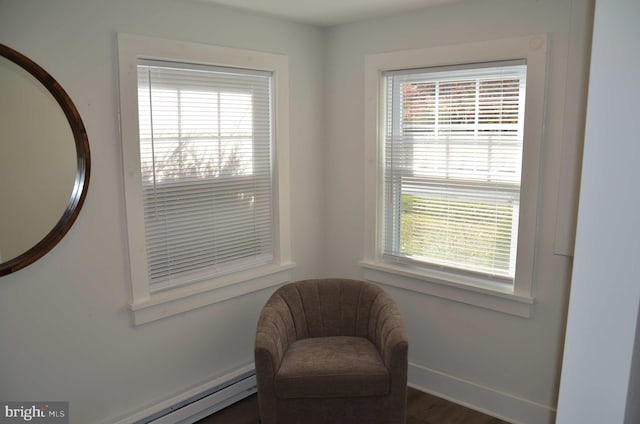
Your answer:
<point x="603" y="310"/>
<point x="490" y="360"/>
<point x="65" y="331"/>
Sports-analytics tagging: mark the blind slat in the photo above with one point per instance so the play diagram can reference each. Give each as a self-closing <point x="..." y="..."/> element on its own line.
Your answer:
<point x="452" y="162"/>
<point x="206" y="159"/>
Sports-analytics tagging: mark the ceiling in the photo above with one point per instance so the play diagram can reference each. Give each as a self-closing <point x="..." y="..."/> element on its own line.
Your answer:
<point x="328" y="12"/>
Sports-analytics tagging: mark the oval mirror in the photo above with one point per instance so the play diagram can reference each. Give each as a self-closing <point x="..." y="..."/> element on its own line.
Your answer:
<point x="44" y="161"/>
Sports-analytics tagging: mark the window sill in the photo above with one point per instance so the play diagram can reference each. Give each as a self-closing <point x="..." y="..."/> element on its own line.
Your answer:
<point x="443" y="286"/>
<point x="186" y="298"/>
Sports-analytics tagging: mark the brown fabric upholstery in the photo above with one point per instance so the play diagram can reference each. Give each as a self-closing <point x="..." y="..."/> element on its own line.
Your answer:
<point x="331" y="351"/>
<point x="327" y="367"/>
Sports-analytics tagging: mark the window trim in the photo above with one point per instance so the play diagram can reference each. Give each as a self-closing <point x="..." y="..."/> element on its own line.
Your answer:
<point x="438" y="283"/>
<point x="147" y="305"/>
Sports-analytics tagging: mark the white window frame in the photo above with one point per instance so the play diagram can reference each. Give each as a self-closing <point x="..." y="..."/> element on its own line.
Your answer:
<point x="518" y="299"/>
<point x="148" y="305"/>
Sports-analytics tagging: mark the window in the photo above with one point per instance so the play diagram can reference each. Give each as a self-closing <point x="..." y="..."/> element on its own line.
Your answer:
<point x="205" y="157"/>
<point x="205" y="183"/>
<point x="453" y="147"/>
<point x="452" y="160"/>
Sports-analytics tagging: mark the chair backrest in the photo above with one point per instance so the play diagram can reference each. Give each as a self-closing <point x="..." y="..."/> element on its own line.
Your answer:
<point x="332" y="307"/>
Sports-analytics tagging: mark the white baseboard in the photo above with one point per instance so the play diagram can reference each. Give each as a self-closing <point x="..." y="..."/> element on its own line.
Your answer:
<point x="501" y="405"/>
<point x="200" y="401"/>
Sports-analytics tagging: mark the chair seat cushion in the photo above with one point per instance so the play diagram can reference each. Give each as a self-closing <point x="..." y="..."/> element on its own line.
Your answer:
<point x="331" y="367"/>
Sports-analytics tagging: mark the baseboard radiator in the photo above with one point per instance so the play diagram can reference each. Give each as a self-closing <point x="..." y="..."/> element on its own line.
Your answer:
<point x="206" y="402"/>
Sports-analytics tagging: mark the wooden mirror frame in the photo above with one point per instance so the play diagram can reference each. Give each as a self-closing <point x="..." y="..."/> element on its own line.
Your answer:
<point x="81" y="182"/>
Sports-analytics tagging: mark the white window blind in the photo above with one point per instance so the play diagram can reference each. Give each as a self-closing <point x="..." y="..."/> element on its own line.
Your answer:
<point x="206" y="162"/>
<point x="453" y="139"/>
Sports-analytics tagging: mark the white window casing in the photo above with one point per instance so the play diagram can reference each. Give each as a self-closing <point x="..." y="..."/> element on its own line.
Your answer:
<point x="444" y="164"/>
<point x="205" y="153"/>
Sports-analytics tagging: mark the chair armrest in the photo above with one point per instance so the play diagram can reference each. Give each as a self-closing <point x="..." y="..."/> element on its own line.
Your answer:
<point x="274" y="333"/>
<point x="387" y="331"/>
<point x="267" y="361"/>
<point x="267" y="356"/>
<point x="394" y="347"/>
<point x="390" y="337"/>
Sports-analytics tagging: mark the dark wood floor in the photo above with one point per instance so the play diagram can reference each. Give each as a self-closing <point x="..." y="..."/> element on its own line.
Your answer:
<point x="422" y="408"/>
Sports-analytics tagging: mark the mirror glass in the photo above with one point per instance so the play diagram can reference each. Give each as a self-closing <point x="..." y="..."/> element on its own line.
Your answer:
<point x="43" y="161"/>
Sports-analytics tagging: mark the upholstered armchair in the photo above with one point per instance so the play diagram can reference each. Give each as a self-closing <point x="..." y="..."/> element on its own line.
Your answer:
<point x="331" y="351"/>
